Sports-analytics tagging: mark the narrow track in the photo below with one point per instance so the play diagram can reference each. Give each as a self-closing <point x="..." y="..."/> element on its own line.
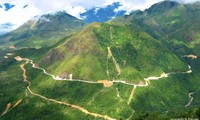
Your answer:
<point x="60" y="102"/>
<point x="141" y="84"/>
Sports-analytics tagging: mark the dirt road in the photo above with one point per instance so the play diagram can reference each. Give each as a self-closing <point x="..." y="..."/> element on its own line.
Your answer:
<point x="60" y="102"/>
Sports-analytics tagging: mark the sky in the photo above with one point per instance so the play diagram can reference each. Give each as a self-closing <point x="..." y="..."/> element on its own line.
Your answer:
<point x="18" y="12"/>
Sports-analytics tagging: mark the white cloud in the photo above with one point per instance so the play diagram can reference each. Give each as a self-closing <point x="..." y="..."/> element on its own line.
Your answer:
<point x="18" y="15"/>
<point x="187" y="1"/>
<point x="130" y="5"/>
<point x="96" y="10"/>
<point x="75" y="10"/>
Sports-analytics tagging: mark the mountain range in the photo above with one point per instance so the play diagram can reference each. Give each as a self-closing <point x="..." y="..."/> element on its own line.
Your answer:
<point x="139" y="66"/>
<point x="95" y="14"/>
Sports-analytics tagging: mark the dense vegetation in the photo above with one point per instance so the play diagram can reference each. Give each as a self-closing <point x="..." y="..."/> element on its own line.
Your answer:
<point x="142" y="44"/>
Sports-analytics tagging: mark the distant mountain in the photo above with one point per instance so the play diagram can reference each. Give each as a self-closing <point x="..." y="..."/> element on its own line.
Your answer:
<point x="42" y="31"/>
<point x="102" y="14"/>
<point x="97" y="14"/>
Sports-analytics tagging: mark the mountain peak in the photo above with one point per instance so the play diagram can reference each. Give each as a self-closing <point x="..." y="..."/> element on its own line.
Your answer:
<point x="48" y="27"/>
<point x="103" y="14"/>
<point x="162" y="6"/>
<point x="58" y="14"/>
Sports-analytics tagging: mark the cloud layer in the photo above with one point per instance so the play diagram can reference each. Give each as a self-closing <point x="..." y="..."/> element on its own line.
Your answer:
<point x="19" y="14"/>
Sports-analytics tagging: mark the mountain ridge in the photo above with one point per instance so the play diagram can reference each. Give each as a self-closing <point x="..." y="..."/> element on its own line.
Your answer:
<point x="103" y="14"/>
<point x="43" y="31"/>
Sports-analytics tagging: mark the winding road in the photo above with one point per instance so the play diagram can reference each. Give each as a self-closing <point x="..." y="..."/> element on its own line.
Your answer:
<point x="191" y="99"/>
<point x="59" y="102"/>
<point x="141" y="84"/>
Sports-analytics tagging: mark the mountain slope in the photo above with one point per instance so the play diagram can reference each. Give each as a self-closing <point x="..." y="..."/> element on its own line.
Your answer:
<point x="131" y="51"/>
<point x="134" y="51"/>
<point x="122" y="69"/>
<point x="89" y="55"/>
<point x="175" y="22"/>
<point x="176" y="26"/>
<point x="42" y="31"/>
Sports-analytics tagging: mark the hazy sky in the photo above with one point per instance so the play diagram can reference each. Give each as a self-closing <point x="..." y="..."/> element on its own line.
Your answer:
<point x="20" y="12"/>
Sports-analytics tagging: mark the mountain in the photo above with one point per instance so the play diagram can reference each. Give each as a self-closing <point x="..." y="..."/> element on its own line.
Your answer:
<point x="171" y="21"/>
<point x="131" y="48"/>
<point x="42" y="31"/>
<point x="102" y="14"/>
<point x="96" y="14"/>
<point x="132" y="67"/>
<point x="176" y="26"/>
